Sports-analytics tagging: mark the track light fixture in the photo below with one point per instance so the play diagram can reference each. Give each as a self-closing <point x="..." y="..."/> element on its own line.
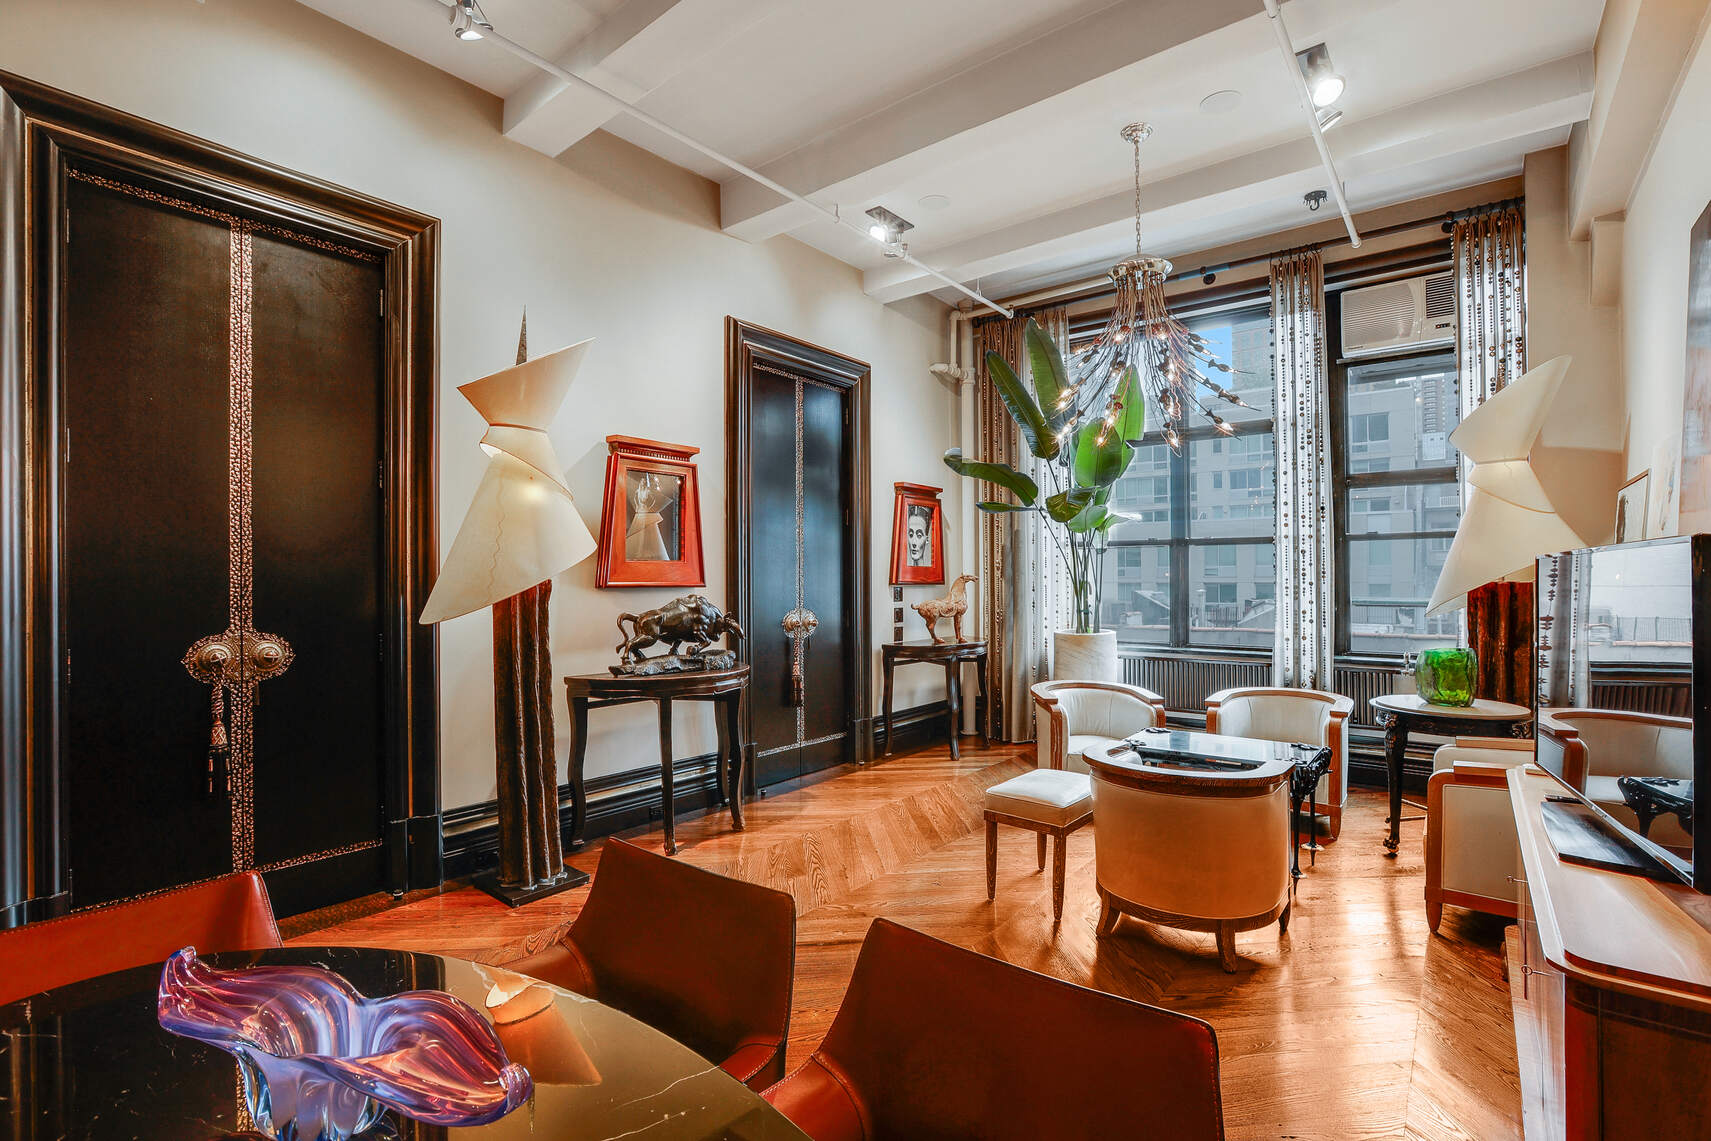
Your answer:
<point x="1323" y="82"/>
<point x="888" y="230"/>
<point x="1329" y="117"/>
<point x="469" y="21"/>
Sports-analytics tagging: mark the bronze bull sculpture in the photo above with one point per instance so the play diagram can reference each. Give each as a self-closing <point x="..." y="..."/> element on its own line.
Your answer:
<point x="690" y="619"/>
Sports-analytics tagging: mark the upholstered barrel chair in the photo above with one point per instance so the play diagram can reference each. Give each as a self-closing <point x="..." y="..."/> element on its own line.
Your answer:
<point x="1596" y="747"/>
<point x="1071" y="717"/>
<point x="1310" y="716"/>
<point x="1199" y="853"/>
<point x="1471" y="850"/>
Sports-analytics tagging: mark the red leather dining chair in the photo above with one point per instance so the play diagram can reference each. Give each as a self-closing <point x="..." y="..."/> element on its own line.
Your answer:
<point x="935" y="1042"/>
<point x="231" y="913"/>
<point x="707" y="959"/>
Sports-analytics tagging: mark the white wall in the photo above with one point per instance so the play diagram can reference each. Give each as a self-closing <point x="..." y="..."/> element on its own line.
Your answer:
<point x="607" y="242"/>
<point x="1671" y="193"/>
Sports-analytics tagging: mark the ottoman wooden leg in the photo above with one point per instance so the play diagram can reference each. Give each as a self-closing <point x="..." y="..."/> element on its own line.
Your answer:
<point x="1227" y="946"/>
<point x="1059" y="858"/>
<point x="1108" y="915"/>
<point x="1042" y="839"/>
<point x="991" y="858"/>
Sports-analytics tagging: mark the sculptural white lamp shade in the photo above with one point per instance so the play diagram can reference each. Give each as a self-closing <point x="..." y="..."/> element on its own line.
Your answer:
<point x="1509" y="520"/>
<point x="521" y="529"/>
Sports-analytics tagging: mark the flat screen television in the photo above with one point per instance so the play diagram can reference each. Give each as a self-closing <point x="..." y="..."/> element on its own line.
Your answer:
<point x="1624" y="678"/>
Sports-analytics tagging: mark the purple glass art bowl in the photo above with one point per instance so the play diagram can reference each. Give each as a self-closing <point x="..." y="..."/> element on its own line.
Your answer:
<point x="321" y="1063"/>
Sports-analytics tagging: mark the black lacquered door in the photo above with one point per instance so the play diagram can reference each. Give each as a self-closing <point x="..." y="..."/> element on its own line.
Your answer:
<point x="800" y="614"/>
<point x="222" y="563"/>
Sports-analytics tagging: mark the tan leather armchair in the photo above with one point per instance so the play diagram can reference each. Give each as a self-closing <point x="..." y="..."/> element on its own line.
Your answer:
<point x="1071" y="717"/>
<point x="1196" y="853"/>
<point x="1470" y="826"/>
<point x="1596" y="746"/>
<point x="1310" y="716"/>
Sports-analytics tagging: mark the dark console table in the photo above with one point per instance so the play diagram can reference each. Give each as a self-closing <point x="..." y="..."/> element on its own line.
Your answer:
<point x="951" y="655"/>
<point x="724" y="688"/>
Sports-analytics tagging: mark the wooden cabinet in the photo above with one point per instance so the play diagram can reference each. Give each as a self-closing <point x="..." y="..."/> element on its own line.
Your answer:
<point x="1610" y="980"/>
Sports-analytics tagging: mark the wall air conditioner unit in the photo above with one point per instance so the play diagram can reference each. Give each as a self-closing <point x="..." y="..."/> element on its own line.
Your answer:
<point x="1415" y="313"/>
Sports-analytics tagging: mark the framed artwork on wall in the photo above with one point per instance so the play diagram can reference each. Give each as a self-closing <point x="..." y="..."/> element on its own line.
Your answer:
<point x="1694" y="486"/>
<point x="650" y="517"/>
<point x="1631" y="509"/>
<point x="917" y="535"/>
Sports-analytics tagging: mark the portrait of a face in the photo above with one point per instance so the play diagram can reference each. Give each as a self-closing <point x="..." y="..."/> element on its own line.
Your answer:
<point x="919" y="531"/>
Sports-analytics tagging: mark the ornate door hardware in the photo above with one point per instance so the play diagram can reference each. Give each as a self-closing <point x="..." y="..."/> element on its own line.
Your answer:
<point x="799" y="625"/>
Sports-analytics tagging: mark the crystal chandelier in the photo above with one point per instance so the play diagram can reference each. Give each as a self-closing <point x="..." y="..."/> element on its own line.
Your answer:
<point x="1171" y="361"/>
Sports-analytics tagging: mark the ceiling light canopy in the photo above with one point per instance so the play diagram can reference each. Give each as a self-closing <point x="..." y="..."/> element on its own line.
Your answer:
<point x="1323" y="82"/>
<point x="469" y="21"/>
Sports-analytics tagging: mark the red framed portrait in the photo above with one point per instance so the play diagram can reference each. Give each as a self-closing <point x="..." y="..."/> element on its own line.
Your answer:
<point x="917" y="535"/>
<point x="650" y="516"/>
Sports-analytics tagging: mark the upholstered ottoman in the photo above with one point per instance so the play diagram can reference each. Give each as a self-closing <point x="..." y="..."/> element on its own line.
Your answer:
<point x="1050" y="802"/>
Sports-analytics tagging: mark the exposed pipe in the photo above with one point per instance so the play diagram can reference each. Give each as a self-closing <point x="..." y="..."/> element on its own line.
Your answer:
<point x="1287" y="47"/>
<point x="962" y="371"/>
<point x="664" y="128"/>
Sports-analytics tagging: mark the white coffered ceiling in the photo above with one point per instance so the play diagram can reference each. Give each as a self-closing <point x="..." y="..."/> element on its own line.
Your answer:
<point x="1009" y="111"/>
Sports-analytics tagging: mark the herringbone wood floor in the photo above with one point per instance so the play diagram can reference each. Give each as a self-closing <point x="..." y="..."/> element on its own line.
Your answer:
<point x="1357" y="1024"/>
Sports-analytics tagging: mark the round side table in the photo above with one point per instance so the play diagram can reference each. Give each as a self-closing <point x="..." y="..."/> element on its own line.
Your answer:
<point x="1405" y="713"/>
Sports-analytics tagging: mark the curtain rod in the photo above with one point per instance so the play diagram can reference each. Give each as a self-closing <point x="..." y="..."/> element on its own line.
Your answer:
<point x="1089" y="288"/>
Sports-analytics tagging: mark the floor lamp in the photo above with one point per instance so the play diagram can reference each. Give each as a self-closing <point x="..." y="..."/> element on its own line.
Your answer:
<point x="1509" y="520"/>
<point x="522" y="529"/>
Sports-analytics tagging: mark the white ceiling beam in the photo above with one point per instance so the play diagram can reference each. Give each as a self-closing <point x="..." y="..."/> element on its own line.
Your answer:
<point x="633" y="51"/>
<point x="1551" y="95"/>
<point x="1056" y="63"/>
<point x="1641" y="48"/>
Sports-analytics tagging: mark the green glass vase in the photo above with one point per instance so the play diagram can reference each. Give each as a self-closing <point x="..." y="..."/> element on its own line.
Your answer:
<point x="1447" y="676"/>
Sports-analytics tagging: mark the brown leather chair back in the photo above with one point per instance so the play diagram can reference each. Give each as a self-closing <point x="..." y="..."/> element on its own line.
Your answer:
<point x="708" y="959"/>
<point x="935" y="1042"/>
<point x="231" y="913"/>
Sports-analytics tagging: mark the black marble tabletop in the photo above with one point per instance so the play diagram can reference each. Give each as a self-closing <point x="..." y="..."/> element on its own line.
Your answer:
<point x="90" y="1061"/>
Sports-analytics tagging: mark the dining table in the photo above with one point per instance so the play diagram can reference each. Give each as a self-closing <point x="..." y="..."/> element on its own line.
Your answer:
<point x="90" y="1061"/>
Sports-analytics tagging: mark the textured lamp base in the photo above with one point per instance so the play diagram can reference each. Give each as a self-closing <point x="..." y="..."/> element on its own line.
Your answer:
<point x="516" y="895"/>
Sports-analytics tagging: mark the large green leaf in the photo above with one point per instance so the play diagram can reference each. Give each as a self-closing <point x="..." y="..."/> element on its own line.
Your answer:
<point x="1066" y="505"/>
<point x="1003" y="475"/>
<point x="995" y="507"/>
<point x="1029" y="421"/>
<point x="1102" y="464"/>
<point x="1088" y="518"/>
<point x="1051" y="379"/>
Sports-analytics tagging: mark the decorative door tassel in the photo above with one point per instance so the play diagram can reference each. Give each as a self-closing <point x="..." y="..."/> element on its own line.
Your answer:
<point x="219" y="745"/>
<point x="798" y="691"/>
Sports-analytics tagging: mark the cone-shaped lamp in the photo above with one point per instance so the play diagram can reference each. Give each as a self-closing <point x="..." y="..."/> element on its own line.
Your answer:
<point x="521" y="530"/>
<point x="1510" y="520"/>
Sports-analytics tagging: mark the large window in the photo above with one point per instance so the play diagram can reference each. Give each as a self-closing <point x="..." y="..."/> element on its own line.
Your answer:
<point x="1398" y="502"/>
<point x="1196" y="563"/>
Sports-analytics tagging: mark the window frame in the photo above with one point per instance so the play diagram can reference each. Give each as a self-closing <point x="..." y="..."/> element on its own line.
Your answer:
<point x="1179" y="543"/>
<point x="1345" y="483"/>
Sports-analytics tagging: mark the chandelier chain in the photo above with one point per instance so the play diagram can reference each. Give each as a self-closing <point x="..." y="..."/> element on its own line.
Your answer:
<point x="1137" y="141"/>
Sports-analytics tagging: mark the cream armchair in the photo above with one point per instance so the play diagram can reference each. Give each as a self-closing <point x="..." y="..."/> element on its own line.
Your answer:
<point x="1595" y="747"/>
<point x="1071" y="717"/>
<point x="1470" y="826"/>
<point x="1309" y="716"/>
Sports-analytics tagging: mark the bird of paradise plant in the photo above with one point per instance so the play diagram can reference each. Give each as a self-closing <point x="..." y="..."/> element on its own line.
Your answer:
<point x="1081" y="457"/>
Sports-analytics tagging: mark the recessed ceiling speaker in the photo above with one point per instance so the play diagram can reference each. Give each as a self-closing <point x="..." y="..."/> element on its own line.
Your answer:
<point x="1221" y="102"/>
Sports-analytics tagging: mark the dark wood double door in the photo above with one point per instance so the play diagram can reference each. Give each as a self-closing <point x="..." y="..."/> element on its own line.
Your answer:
<point x="220" y="470"/>
<point x="798" y="548"/>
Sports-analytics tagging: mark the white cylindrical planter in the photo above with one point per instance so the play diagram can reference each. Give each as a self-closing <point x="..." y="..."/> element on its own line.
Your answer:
<point x="1085" y="657"/>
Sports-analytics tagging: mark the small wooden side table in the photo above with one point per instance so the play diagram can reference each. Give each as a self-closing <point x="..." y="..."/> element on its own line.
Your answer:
<point x="1404" y="713"/>
<point x="951" y="655"/>
<point x="725" y="688"/>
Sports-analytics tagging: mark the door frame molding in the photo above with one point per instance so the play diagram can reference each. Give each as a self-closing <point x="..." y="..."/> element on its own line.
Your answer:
<point x="746" y="343"/>
<point x="43" y="133"/>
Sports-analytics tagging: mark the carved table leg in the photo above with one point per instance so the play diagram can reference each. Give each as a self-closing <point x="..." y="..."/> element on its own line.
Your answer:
<point x="739" y="755"/>
<point x="1042" y="839"/>
<point x="953" y="698"/>
<point x="668" y="796"/>
<point x="722" y="750"/>
<point x="1395" y="745"/>
<point x="578" y="753"/>
<point x="890" y="664"/>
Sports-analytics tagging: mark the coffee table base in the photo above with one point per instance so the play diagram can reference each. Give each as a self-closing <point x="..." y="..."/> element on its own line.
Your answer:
<point x="1112" y="908"/>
